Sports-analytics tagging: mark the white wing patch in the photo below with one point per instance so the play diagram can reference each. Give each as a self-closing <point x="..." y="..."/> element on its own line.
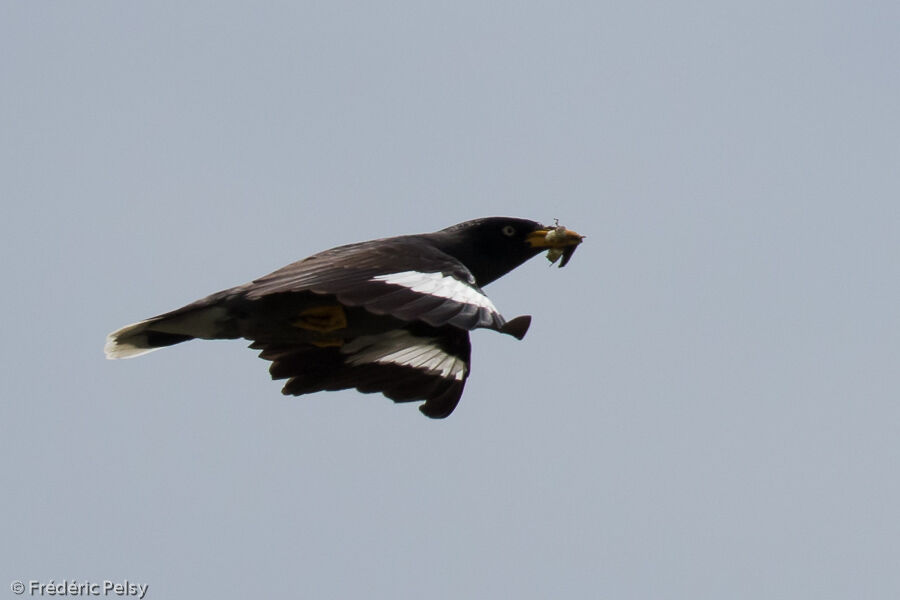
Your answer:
<point x="404" y="349"/>
<point x="438" y="284"/>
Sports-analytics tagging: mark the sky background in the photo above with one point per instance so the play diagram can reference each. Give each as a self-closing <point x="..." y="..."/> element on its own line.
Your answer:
<point x="707" y="404"/>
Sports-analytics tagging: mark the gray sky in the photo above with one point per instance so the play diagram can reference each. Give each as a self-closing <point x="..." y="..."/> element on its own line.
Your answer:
<point x="707" y="404"/>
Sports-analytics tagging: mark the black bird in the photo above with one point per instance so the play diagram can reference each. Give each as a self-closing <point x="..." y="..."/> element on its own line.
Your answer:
<point x="390" y="315"/>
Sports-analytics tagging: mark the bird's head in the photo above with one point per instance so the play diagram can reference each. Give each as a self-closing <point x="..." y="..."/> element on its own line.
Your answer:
<point x="494" y="246"/>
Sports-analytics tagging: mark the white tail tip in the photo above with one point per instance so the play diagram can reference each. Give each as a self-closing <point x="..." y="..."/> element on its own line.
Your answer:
<point x="120" y="343"/>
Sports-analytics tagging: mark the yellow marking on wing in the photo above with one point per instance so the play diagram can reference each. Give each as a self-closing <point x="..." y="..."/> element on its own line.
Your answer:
<point x="322" y="318"/>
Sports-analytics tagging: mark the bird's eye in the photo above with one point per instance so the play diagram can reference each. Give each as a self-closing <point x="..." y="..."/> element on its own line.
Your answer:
<point x="509" y="231"/>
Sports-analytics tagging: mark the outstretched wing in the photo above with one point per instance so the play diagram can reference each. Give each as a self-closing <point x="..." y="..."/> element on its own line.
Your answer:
<point x="405" y="365"/>
<point x="406" y="278"/>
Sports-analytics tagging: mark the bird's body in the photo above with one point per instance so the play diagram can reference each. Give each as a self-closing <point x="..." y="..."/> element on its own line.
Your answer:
<point x="389" y="315"/>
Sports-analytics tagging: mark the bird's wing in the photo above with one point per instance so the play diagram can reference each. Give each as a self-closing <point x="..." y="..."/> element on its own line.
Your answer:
<point x="404" y="365"/>
<point x="406" y="278"/>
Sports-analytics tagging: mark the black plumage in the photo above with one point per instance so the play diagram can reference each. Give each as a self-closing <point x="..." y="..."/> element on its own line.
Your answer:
<point x="389" y="315"/>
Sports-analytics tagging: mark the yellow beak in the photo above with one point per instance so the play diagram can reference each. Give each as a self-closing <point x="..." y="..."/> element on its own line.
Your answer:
<point x="553" y="237"/>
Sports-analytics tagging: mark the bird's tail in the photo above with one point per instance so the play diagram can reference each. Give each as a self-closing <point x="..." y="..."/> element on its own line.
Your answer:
<point x="198" y="320"/>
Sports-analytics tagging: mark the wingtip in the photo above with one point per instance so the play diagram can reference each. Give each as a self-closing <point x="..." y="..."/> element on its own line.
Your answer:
<point x="518" y="327"/>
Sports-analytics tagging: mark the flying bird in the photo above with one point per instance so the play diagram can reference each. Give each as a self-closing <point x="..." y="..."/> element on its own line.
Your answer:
<point x="391" y="315"/>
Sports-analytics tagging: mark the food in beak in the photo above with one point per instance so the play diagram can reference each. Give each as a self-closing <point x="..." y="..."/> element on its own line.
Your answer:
<point x="555" y="238"/>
